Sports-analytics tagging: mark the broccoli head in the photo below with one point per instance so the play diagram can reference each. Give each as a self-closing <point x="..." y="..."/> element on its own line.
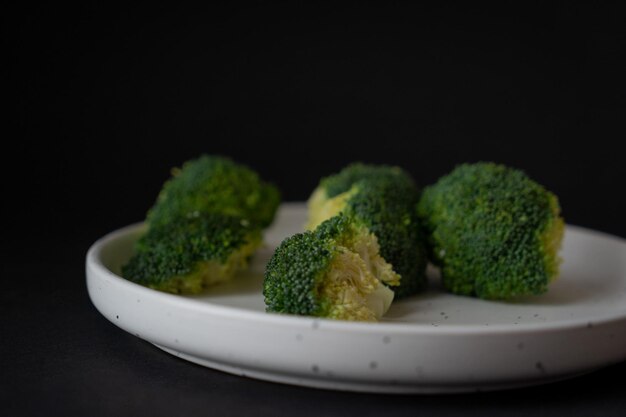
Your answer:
<point x="331" y="194"/>
<point x="218" y="185"/>
<point x="494" y="232"/>
<point x="189" y="253"/>
<point x="381" y="199"/>
<point x="313" y="275"/>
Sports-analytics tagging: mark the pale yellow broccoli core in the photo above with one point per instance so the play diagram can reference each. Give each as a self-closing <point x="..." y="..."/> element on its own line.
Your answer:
<point x="352" y="291"/>
<point x="212" y="272"/>
<point x="551" y="239"/>
<point x="366" y="245"/>
<point x="321" y="208"/>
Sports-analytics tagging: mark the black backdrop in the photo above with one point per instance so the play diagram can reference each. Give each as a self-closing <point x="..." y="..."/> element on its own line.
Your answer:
<point x="109" y="99"/>
<point x="105" y="100"/>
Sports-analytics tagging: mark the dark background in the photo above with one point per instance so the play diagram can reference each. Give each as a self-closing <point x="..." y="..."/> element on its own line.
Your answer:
<point x="105" y="100"/>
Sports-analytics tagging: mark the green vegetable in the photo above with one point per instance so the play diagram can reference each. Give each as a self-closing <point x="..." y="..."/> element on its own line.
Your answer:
<point x="313" y="275"/>
<point x="205" y="225"/>
<point x="330" y="196"/>
<point x="381" y="199"/>
<point x="494" y="232"/>
<point x="218" y="185"/>
<point x="189" y="253"/>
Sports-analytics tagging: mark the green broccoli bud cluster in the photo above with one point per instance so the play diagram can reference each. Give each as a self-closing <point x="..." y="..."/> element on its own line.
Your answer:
<point x="312" y="275"/>
<point x="363" y="248"/>
<point x="218" y="185"/>
<point x="381" y="198"/>
<point x="204" y="226"/>
<point x="189" y="254"/>
<point x="494" y="232"/>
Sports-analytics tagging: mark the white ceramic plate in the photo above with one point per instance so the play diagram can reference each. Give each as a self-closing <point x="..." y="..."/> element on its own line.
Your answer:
<point x="431" y="343"/>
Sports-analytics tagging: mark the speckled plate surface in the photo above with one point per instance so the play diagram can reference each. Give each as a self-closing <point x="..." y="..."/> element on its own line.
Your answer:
<point x="431" y="343"/>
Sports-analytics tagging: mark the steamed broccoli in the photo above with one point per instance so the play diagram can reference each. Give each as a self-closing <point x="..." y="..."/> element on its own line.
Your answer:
<point x="205" y="225"/>
<point x="494" y="232"/>
<point x="218" y="185"/>
<point x="189" y="253"/>
<point x="313" y="275"/>
<point x="381" y="199"/>
<point x="331" y="194"/>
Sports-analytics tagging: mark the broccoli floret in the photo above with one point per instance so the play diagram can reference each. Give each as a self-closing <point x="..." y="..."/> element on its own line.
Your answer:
<point x="331" y="194"/>
<point x="218" y="185"/>
<point x="494" y="232"/>
<point x="313" y="275"/>
<point x="189" y="253"/>
<point x="382" y="199"/>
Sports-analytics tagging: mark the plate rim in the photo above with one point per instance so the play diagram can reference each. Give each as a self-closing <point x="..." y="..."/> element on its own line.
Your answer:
<point x="93" y="260"/>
